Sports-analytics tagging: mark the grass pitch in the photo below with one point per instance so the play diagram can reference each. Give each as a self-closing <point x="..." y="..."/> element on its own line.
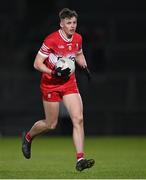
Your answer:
<point x="54" y="158"/>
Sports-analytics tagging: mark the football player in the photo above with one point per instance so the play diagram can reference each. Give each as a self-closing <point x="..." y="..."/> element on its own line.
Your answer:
<point x="56" y="85"/>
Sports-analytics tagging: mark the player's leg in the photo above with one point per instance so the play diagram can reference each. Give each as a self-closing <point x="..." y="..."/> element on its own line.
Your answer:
<point x="73" y="103"/>
<point x="74" y="106"/>
<point x="51" y="117"/>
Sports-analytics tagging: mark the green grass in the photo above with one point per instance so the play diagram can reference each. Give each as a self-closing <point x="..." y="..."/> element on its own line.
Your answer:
<point x="54" y="157"/>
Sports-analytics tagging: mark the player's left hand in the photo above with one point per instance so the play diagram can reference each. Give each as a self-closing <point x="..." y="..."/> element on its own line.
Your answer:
<point x="87" y="73"/>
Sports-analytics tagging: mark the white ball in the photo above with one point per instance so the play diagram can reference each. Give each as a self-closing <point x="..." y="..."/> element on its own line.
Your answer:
<point x="66" y="63"/>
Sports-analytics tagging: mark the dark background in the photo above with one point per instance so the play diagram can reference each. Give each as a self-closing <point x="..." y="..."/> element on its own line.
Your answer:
<point x="114" y="44"/>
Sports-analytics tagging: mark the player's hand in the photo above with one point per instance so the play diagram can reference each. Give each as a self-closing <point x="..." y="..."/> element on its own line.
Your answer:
<point x="55" y="72"/>
<point x="87" y="73"/>
<point x="60" y="73"/>
<point x="65" y="72"/>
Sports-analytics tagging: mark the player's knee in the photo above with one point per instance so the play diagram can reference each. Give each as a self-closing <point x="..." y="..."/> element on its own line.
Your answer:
<point x="51" y="126"/>
<point x="78" y="120"/>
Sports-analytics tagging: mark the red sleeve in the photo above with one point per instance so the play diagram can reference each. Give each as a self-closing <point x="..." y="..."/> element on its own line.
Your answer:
<point x="46" y="47"/>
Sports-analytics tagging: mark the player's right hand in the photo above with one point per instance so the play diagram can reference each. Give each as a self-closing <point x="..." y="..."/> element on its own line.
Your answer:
<point x="60" y="73"/>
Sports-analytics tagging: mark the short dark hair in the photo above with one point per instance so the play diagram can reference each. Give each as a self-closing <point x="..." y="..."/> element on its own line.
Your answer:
<point x="67" y="13"/>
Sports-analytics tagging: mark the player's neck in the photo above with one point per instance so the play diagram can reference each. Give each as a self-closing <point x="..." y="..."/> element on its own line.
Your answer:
<point x="69" y="37"/>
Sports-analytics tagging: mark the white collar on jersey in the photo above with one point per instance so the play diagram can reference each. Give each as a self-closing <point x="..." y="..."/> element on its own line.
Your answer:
<point x="63" y="36"/>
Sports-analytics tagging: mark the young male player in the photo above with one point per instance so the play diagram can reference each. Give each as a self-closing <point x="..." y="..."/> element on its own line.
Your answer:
<point x="57" y="85"/>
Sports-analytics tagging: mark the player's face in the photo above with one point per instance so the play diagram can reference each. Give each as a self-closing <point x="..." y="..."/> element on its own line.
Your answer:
<point x="69" y="25"/>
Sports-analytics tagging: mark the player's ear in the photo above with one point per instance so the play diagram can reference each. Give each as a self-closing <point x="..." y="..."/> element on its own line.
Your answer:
<point x="61" y="24"/>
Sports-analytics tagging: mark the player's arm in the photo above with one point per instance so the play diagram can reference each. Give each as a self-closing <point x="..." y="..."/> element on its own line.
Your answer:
<point x="39" y="64"/>
<point x="80" y="60"/>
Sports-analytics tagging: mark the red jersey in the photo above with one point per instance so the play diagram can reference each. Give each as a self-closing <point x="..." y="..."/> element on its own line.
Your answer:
<point x="57" y="45"/>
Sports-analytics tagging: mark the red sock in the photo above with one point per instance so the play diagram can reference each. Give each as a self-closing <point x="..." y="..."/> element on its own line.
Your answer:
<point x="80" y="156"/>
<point x="28" y="137"/>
